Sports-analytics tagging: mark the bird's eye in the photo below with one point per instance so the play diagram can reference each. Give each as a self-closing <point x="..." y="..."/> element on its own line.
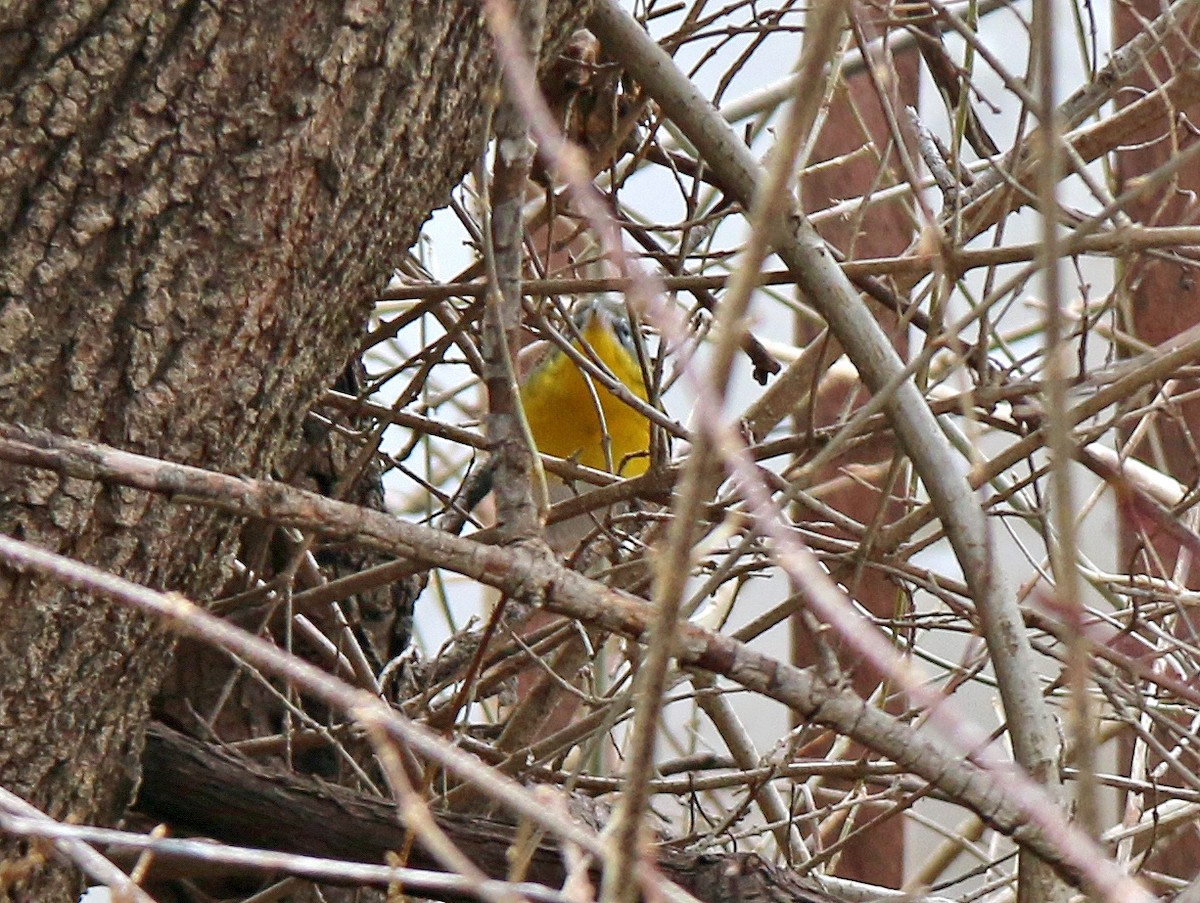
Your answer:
<point x="624" y="333"/>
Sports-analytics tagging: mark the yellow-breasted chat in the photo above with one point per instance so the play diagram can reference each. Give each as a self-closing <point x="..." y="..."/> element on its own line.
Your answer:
<point x="571" y="414"/>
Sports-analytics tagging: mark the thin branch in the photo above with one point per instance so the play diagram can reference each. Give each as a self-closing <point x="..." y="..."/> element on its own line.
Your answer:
<point x="523" y="574"/>
<point x="826" y="286"/>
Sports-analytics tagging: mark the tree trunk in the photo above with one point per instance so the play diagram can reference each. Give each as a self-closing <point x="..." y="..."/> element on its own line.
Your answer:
<point x="1161" y="302"/>
<point x="856" y="121"/>
<point x="197" y="203"/>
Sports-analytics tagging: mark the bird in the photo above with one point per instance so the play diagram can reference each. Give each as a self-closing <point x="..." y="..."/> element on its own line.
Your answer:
<point x="571" y="414"/>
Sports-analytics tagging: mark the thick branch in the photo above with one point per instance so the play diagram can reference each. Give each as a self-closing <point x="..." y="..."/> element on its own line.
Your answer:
<point x="202" y="789"/>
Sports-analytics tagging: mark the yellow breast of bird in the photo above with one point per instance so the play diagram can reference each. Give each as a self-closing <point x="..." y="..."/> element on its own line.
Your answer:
<point x="562" y="409"/>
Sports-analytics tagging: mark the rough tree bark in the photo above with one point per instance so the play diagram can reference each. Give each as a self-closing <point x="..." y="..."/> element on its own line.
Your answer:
<point x="197" y="202"/>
